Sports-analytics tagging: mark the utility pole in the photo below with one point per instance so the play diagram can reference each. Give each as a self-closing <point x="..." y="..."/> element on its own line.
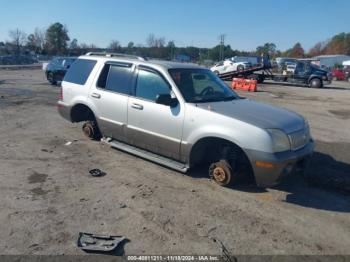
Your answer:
<point x="222" y="45"/>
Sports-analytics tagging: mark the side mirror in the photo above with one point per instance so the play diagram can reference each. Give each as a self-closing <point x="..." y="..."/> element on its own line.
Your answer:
<point x="165" y="99"/>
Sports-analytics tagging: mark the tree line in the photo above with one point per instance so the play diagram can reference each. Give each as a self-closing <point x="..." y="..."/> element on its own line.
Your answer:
<point x="55" y="40"/>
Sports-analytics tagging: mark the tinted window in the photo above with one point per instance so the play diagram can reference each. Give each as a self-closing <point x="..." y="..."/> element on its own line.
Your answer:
<point x="118" y="78"/>
<point x="150" y="84"/>
<point x="79" y="71"/>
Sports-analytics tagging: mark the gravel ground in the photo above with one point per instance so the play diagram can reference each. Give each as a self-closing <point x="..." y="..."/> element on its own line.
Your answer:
<point x="48" y="197"/>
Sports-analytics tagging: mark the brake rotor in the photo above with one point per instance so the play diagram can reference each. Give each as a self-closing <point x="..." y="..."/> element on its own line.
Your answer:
<point x="219" y="174"/>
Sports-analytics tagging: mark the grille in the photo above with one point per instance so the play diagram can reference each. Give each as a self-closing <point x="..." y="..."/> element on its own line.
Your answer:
<point x="299" y="139"/>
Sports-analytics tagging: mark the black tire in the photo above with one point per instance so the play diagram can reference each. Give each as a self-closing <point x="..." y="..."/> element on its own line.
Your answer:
<point x="240" y="67"/>
<point x="316" y="83"/>
<point x="216" y="72"/>
<point x="51" y="78"/>
<point x="221" y="172"/>
<point x="91" y="130"/>
<point x="260" y="79"/>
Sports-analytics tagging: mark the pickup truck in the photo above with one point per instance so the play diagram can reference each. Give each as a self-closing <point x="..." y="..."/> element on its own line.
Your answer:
<point x="181" y="116"/>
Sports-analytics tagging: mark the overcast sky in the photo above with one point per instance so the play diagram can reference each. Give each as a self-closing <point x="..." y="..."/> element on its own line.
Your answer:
<point x="246" y="24"/>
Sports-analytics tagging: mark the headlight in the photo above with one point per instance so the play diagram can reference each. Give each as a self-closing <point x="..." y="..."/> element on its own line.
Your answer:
<point x="280" y="140"/>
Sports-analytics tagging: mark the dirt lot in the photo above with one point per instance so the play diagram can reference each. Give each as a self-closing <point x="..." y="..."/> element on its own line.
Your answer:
<point x="48" y="197"/>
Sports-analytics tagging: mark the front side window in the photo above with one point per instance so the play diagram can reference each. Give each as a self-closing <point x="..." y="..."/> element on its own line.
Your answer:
<point x="201" y="85"/>
<point x="150" y="84"/>
<point x="116" y="78"/>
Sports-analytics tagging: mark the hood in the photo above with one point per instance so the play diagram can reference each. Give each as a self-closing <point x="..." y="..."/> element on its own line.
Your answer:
<point x="257" y="114"/>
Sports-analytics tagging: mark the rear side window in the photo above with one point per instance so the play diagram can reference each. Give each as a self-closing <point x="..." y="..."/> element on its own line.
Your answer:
<point x="79" y="71"/>
<point x="116" y="78"/>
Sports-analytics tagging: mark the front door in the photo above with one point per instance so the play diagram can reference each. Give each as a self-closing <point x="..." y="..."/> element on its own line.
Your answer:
<point x="301" y="72"/>
<point x="154" y="127"/>
<point x="110" y="97"/>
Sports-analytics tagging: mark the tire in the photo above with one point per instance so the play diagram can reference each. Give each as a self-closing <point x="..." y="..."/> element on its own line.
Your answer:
<point x="260" y="79"/>
<point x="240" y="67"/>
<point x="51" y="78"/>
<point x="316" y="83"/>
<point x="216" y="72"/>
<point x="91" y="130"/>
<point x="221" y="172"/>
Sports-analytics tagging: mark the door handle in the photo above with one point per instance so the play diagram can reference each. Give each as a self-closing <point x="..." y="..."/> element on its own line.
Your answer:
<point x="137" y="106"/>
<point x="95" y="95"/>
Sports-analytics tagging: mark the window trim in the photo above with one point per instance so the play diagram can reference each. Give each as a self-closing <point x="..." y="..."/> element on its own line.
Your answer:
<point x="120" y="64"/>
<point x="152" y="70"/>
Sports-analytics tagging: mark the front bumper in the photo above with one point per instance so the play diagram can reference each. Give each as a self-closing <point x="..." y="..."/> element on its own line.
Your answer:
<point x="283" y="163"/>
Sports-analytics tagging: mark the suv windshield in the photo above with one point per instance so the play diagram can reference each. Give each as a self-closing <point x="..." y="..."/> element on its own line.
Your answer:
<point x="201" y="85"/>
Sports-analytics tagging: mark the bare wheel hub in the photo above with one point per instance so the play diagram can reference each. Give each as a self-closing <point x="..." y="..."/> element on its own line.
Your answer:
<point x="219" y="174"/>
<point x="88" y="130"/>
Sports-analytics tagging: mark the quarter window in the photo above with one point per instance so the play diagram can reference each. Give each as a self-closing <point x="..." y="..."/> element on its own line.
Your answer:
<point x="150" y="84"/>
<point x="79" y="71"/>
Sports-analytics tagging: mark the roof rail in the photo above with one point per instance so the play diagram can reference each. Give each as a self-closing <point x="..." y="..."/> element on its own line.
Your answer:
<point x="116" y="55"/>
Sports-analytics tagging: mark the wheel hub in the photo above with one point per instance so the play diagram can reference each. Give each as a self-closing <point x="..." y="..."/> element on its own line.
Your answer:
<point x="88" y="131"/>
<point x="219" y="174"/>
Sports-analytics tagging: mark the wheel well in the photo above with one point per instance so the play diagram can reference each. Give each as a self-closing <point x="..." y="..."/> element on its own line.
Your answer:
<point x="210" y="149"/>
<point x="81" y="112"/>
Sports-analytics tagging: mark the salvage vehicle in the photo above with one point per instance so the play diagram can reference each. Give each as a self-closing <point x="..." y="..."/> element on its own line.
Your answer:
<point x="181" y="116"/>
<point x="228" y="66"/>
<point x="57" y="68"/>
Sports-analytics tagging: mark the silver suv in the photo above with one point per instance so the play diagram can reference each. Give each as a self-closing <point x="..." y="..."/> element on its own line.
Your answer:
<point x="183" y="115"/>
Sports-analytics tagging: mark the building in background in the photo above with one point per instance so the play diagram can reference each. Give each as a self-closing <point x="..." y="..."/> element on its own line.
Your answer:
<point x="330" y="61"/>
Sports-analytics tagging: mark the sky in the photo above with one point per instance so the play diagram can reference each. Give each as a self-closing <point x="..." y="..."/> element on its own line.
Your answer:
<point x="246" y="24"/>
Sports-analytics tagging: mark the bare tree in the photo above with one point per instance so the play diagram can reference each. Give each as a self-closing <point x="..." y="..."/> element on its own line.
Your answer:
<point x="151" y="40"/>
<point x="18" y="38"/>
<point x="114" y="46"/>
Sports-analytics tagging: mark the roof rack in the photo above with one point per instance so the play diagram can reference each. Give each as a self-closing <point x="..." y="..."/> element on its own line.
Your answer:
<point x="116" y="55"/>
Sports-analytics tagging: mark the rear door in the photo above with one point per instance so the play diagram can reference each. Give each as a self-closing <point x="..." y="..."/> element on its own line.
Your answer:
<point x="154" y="127"/>
<point x="110" y="96"/>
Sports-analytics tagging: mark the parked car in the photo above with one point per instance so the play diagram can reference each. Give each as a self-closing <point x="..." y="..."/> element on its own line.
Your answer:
<point x="338" y="74"/>
<point x="347" y="73"/>
<point x="57" y="68"/>
<point x="181" y="116"/>
<point x="228" y="66"/>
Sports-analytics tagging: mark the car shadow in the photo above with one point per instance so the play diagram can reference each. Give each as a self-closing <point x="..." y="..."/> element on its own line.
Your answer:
<point x="324" y="185"/>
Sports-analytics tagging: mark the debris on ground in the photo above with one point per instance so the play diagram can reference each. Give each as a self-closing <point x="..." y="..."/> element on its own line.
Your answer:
<point x="68" y="143"/>
<point x="226" y="256"/>
<point x="97" y="172"/>
<point x="100" y="243"/>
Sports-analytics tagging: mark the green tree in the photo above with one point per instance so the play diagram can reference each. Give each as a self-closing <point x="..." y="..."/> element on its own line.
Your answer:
<point x="56" y="39"/>
<point x="267" y="49"/>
